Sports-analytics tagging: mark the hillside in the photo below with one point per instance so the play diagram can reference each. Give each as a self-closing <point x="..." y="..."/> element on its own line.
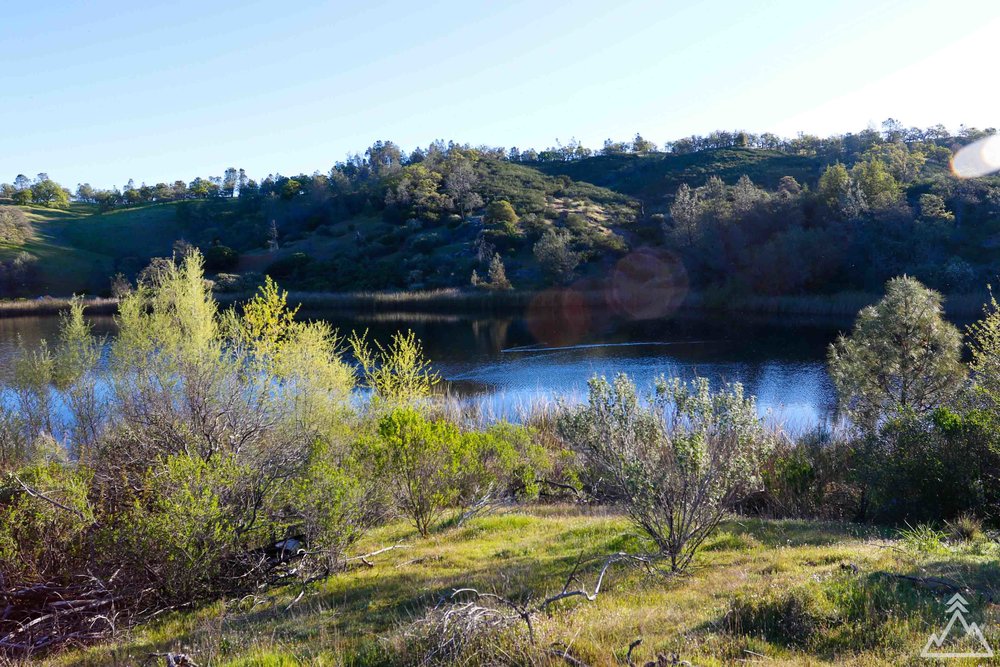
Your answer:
<point x="803" y="219"/>
<point x="655" y="177"/>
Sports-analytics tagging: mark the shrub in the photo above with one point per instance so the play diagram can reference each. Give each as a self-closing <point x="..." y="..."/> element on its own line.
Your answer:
<point x="206" y="427"/>
<point x="422" y="460"/>
<point x="553" y="253"/>
<point x="14" y="226"/>
<point x="433" y="466"/>
<point x="500" y="212"/>
<point x="677" y="463"/>
<point x="292" y="266"/>
<point x="44" y="518"/>
<point x="397" y="373"/>
<point x="931" y="468"/>
<point x="221" y="258"/>
<point x="811" y="477"/>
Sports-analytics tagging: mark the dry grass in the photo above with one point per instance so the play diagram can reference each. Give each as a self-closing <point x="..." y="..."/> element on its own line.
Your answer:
<point x="51" y="306"/>
<point x="753" y="580"/>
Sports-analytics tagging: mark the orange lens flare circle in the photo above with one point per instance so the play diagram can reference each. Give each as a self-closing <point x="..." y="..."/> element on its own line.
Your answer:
<point x="648" y="284"/>
<point x="558" y="317"/>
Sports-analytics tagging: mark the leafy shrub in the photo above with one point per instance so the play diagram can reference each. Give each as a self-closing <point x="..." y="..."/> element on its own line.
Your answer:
<point x="433" y="466"/>
<point x="931" y="468"/>
<point x="500" y="212"/>
<point x="44" y="518"/>
<point x="213" y="436"/>
<point x="292" y="266"/>
<point x="811" y="477"/>
<point x="397" y="373"/>
<point x="221" y="258"/>
<point x="422" y="460"/>
<point x="675" y="464"/>
<point x="14" y="226"/>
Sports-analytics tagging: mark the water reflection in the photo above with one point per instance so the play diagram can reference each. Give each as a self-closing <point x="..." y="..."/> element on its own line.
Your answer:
<point x="507" y="363"/>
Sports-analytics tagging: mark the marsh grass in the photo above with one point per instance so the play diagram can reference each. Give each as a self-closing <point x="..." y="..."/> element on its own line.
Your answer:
<point x="796" y="592"/>
<point x="53" y="306"/>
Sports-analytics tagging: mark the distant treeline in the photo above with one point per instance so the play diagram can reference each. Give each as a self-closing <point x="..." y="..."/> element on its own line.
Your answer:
<point x="385" y="156"/>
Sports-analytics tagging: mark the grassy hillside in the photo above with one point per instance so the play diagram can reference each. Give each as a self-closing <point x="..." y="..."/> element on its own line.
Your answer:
<point x="658" y="175"/>
<point x="323" y="242"/>
<point x="785" y="592"/>
<point x="79" y="249"/>
<point x="754" y="222"/>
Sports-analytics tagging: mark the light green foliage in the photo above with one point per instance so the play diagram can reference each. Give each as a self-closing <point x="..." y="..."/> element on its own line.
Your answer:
<point x="47" y="192"/>
<point x="14" y="226"/>
<point x="396" y="373"/>
<point x="880" y="189"/>
<point x="834" y="184"/>
<point x="933" y="209"/>
<point x="901" y="357"/>
<point x="500" y="212"/>
<point x="422" y="459"/>
<point x="181" y="527"/>
<point x="433" y="466"/>
<point x="984" y="344"/>
<point x="214" y="436"/>
<point x="675" y="463"/>
<point x="497" y="276"/>
<point x="44" y="512"/>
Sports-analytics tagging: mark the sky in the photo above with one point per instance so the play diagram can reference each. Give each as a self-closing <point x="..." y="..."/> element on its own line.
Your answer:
<point x="102" y="91"/>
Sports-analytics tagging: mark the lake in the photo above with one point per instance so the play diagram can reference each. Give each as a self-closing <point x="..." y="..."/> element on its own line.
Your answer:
<point x="508" y="363"/>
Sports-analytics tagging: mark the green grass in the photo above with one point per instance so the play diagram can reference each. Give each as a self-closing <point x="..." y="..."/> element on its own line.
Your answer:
<point x="79" y="248"/>
<point x="795" y="592"/>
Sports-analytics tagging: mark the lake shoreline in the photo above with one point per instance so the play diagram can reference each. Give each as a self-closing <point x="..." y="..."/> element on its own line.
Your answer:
<point x="964" y="307"/>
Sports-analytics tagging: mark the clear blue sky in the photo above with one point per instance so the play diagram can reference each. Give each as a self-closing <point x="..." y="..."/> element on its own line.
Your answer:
<point x="106" y="91"/>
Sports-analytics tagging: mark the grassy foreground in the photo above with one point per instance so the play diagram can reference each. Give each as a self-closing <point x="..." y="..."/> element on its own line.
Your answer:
<point x="780" y="592"/>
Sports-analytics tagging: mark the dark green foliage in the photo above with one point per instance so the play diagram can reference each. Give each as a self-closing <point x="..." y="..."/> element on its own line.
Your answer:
<point x="291" y="267"/>
<point x="932" y="469"/>
<point x="221" y="258"/>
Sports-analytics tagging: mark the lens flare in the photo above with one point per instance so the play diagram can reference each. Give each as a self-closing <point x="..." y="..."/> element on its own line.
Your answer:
<point x="980" y="158"/>
<point x="558" y="317"/>
<point x="648" y="284"/>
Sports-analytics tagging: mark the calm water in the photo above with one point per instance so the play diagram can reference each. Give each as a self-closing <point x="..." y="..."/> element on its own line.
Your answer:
<point x="509" y="362"/>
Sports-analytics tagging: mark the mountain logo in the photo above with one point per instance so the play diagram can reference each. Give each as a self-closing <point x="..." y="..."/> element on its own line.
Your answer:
<point x="957" y="609"/>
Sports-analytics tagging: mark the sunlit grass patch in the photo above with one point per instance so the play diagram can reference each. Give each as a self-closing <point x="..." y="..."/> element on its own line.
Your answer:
<point x="789" y="592"/>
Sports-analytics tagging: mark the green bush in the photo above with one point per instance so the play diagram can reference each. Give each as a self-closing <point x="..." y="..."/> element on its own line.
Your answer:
<point x="932" y="468"/>
<point x="45" y="516"/>
<point x="675" y="463"/>
<point x="292" y="266"/>
<point x="433" y="466"/>
<point x="221" y="258"/>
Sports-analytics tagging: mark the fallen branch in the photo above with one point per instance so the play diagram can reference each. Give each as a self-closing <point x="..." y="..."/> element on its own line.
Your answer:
<point x="364" y="557"/>
<point x="564" y="654"/>
<point x="525" y="612"/>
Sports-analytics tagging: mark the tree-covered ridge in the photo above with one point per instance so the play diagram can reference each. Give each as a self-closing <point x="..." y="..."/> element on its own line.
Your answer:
<point x="743" y="213"/>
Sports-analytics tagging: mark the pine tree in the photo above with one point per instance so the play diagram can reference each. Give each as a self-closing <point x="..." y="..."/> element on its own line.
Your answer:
<point x="497" y="276"/>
